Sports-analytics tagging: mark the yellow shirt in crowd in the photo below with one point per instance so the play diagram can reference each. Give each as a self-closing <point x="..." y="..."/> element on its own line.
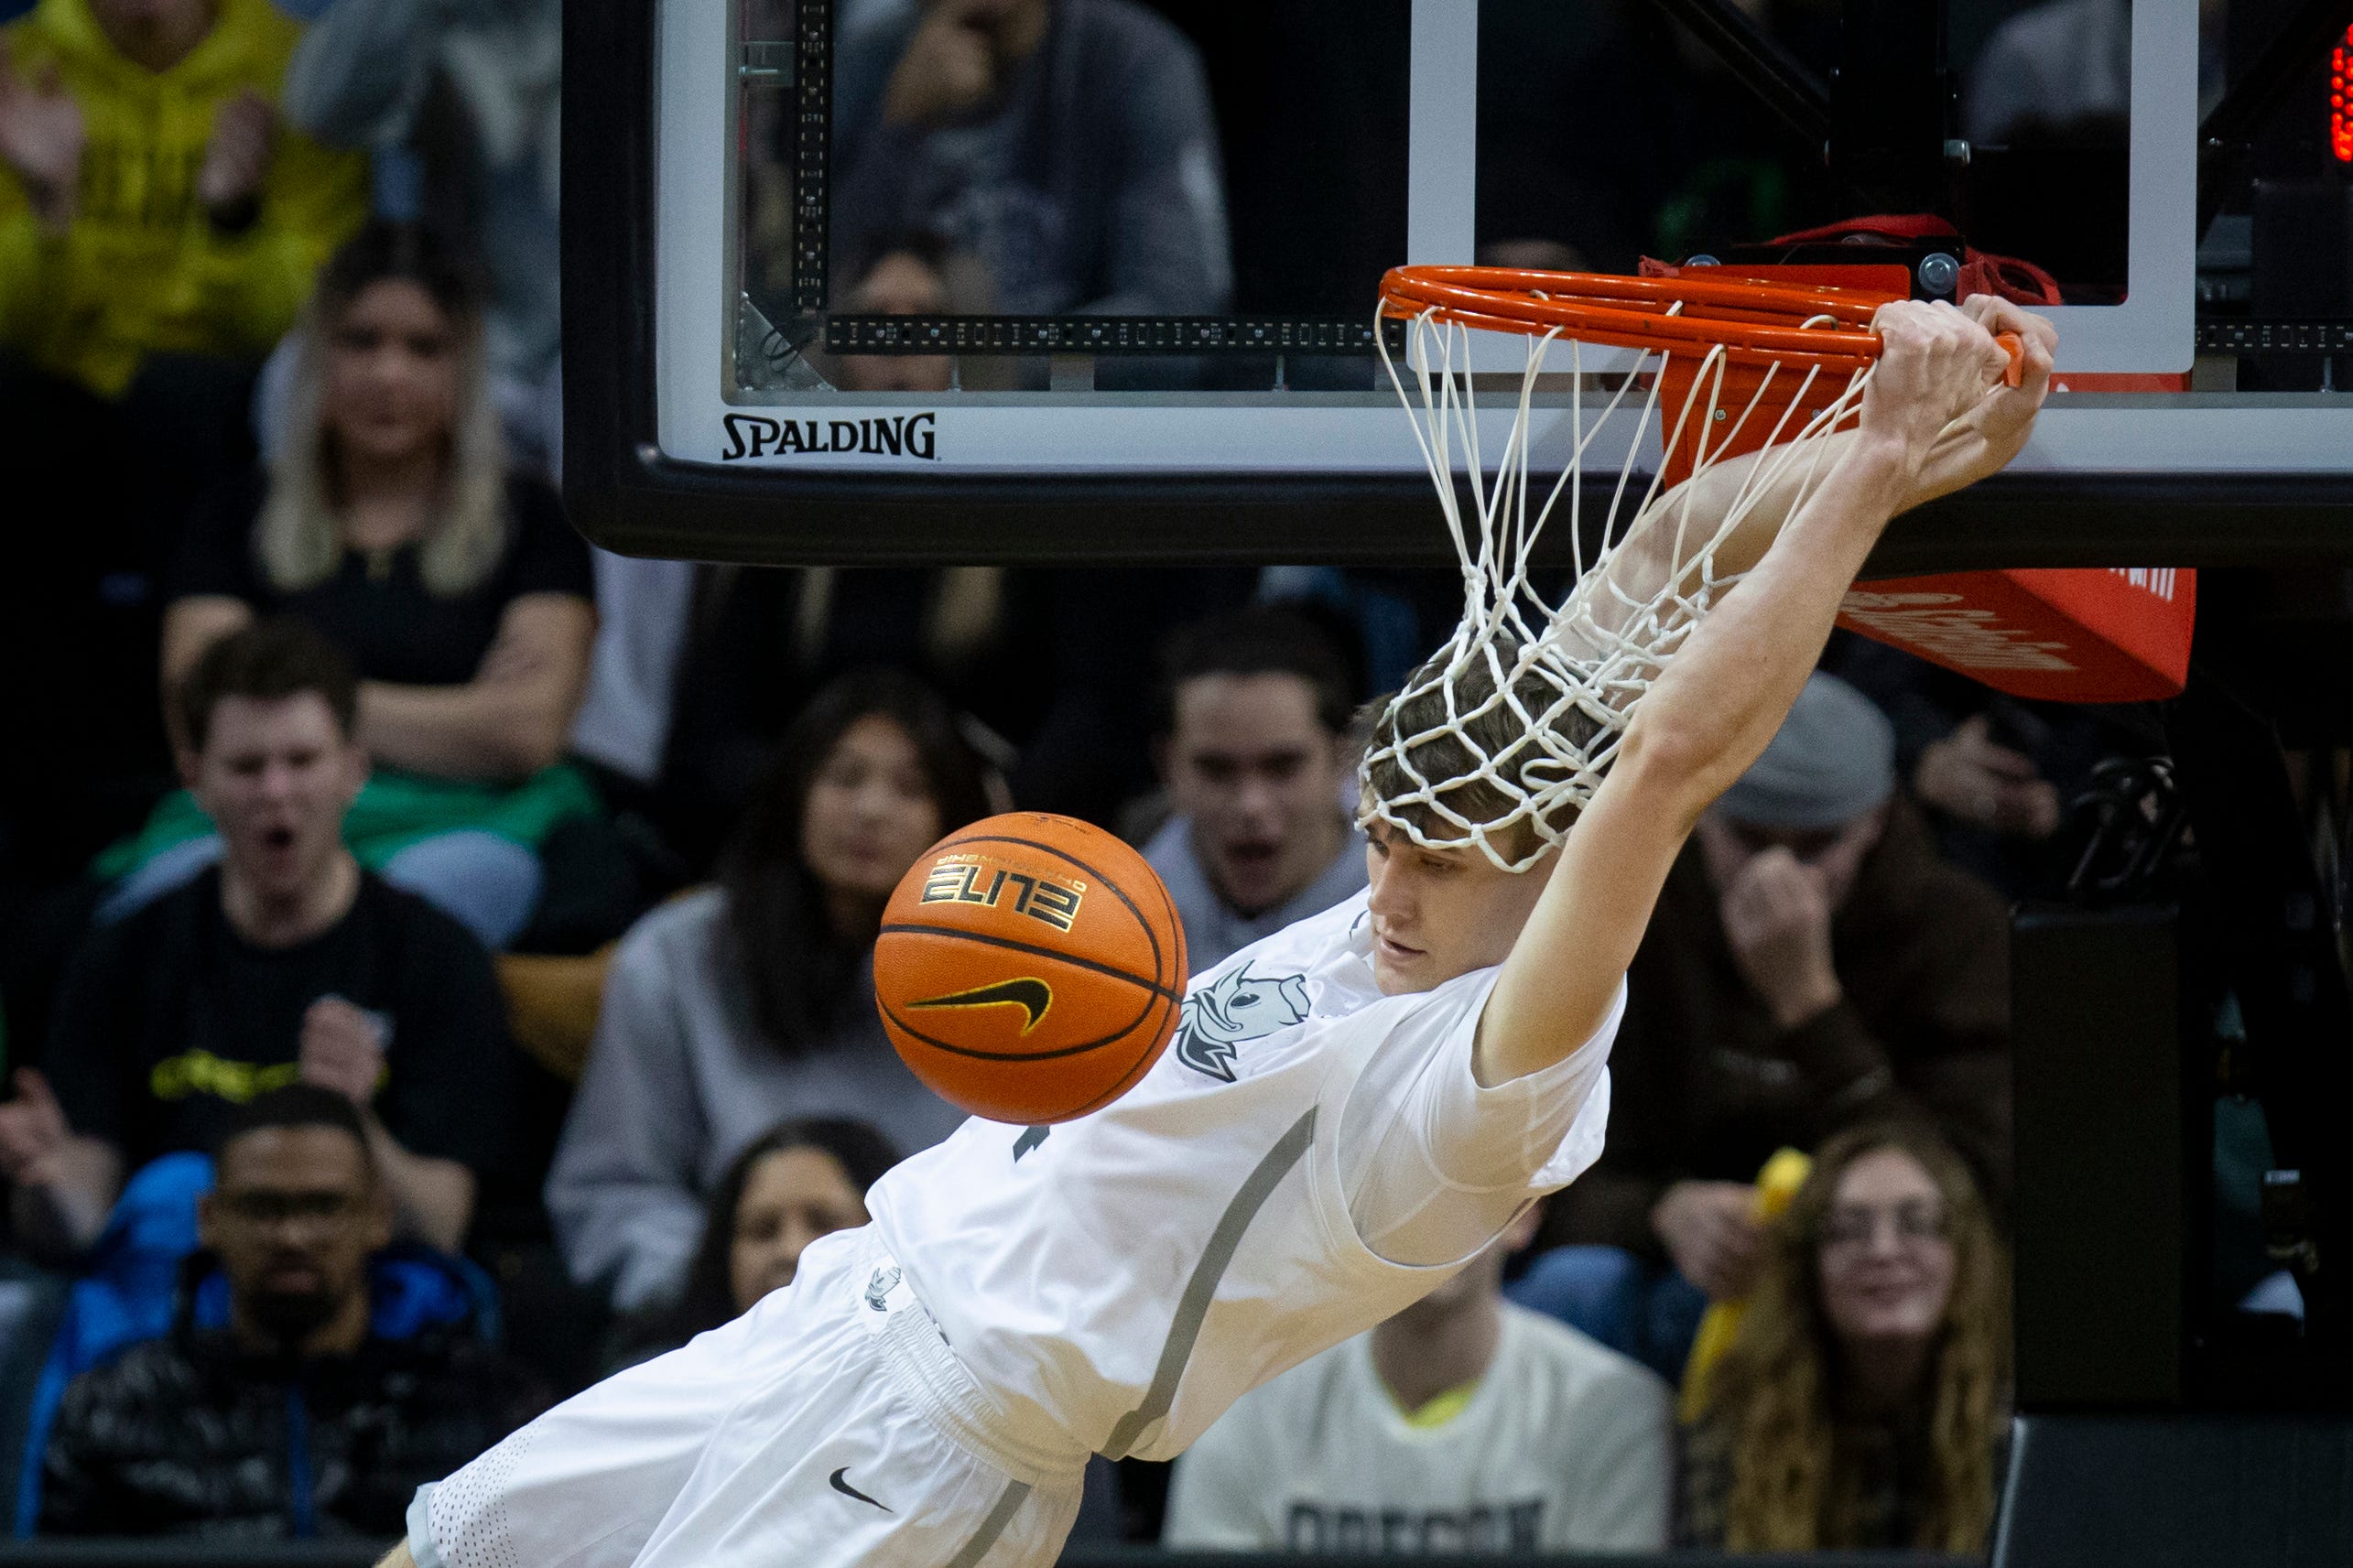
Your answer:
<point x="141" y="270"/>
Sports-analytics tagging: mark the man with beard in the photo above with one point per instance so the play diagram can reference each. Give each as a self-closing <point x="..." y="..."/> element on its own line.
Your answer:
<point x="286" y="963"/>
<point x="1252" y="709"/>
<point x="337" y="1379"/>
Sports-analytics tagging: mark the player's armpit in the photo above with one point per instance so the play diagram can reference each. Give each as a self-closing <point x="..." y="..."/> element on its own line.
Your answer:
<point x="399" y="1557"/>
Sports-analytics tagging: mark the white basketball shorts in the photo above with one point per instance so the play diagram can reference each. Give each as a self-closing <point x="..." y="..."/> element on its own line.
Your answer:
<point x="829" y="1426"/>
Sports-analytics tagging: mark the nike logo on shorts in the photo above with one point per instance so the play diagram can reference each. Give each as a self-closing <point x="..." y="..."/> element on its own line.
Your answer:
<point x="847" y="1490"/>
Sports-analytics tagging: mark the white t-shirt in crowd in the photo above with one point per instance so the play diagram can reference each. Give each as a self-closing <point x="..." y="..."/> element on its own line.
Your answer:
<point x="1114" y="1282"/>
<point x="1565" y="1445"/>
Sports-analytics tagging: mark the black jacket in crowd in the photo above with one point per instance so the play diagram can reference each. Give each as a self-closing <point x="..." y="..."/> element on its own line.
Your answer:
<point x="190" y="1435"/>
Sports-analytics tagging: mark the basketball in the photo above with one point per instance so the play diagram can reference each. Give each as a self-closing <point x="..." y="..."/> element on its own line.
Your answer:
<point x="1030" y="967"/>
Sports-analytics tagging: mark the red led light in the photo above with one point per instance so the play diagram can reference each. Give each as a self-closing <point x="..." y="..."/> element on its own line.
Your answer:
<point x="2340" y="124"/>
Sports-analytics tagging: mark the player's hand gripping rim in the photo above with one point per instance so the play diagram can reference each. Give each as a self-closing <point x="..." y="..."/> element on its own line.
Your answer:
<point x="1994" y="429"/>
<point x="1941" y="392"/>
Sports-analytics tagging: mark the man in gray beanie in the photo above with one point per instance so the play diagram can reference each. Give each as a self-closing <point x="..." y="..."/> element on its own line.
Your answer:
<point x="1812" y="965"/>
<point x="1782" y="845"/>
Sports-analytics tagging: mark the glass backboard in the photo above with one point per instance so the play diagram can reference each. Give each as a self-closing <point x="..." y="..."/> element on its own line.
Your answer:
<point x="1057" y="279"/>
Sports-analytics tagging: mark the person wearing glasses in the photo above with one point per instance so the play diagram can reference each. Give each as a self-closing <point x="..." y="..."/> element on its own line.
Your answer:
<point x="1812" y="965"/>
<point x="314" y="1375"/>
<point x="1862" y="1404"/>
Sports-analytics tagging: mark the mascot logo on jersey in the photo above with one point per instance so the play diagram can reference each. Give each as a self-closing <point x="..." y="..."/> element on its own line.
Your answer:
<point x="879" y="1288"/>
<point x="1240" y="1007"/>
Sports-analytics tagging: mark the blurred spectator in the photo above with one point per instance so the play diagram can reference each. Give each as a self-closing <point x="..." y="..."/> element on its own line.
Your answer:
<point x="390" y="522"/>
<point x="1558" y="176"/>
<point x="761" y="641"/>
<point x="795" y="1182"/>
<point x="153" y="203"/>
<point x="459" y="99"/>
<point x="739" y="1005"/>
<point x="1068" y="145"/>
<point x="1995" y="773"/>
<point x="1812" y="963"/>
<point x="1462" y="1423"/>
<point x="1862" y="1404"/>
<point x="337" y="1385"/>
<point x="1051" y="659"/>
<point x="286" y="962"/>
<point x="2063" y="71"/>
<point x="1254" y="705"/>
<point x="158" y="230"/>
<point x="906" y="280"/>
<point x="918" y="275"/>
<point x="2059" y="65"/>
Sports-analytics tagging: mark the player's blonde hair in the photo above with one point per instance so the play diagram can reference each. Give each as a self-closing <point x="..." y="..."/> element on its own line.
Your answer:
<point x="1791" y="1488"/>
<point x="1462" y="751"/>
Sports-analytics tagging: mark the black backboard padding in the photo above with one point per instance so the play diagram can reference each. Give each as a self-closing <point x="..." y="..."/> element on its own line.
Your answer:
<point x="2097" y="1073"/>
<point x="2178" y="1492"/>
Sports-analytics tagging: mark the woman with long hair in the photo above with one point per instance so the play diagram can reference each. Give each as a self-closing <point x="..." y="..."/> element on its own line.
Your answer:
<point x="799" y="1180"/>
<point x="743" y="1003"/>
<point x="389" y="519"/>
<point x="1862" y="1404"/>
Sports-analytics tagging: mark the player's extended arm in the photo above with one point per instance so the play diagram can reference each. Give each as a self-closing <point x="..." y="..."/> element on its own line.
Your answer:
<point x="1715" y="705"/>
<point x="1675" y="533"/>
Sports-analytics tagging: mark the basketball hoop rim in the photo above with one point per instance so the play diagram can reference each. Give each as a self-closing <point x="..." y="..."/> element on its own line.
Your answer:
<point x="1753" y="323"/>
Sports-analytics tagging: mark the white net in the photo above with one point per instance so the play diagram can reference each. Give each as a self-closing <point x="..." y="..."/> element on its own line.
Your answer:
<point x="1501" y="735"/>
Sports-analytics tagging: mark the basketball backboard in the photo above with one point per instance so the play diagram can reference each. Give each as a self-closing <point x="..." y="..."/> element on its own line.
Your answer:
<point x="776" y="353"/>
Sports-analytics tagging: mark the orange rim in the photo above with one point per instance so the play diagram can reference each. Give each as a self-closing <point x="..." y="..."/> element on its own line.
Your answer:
<point x="1755" y="322"/>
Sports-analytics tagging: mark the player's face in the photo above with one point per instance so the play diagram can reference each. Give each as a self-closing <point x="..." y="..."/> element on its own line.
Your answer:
<point x="1438" y="914"/>
<point x="1258" y="775"/>
<point x="276" y="776"/>
<point x="790" y="1200"/>
<point x="869" y="813"/>
<point x="1885" y="1262"/>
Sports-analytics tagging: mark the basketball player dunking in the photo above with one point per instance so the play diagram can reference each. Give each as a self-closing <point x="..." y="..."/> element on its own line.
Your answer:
<point x="1355" y="1108"/>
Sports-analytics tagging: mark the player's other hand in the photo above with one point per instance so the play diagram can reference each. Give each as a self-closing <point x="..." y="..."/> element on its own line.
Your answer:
<point x="1712" y="1236"/>
<point x="1936" y="365"/>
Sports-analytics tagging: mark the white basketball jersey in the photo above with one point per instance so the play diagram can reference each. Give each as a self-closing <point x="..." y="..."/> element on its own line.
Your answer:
<point x="1118" y="1281"/>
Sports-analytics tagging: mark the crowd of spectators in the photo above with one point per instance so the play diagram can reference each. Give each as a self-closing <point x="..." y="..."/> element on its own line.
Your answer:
<point x="423" y="928"/>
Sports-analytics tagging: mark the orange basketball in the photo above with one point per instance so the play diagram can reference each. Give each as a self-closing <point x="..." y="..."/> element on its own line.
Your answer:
<point x="1030" y="967"/>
